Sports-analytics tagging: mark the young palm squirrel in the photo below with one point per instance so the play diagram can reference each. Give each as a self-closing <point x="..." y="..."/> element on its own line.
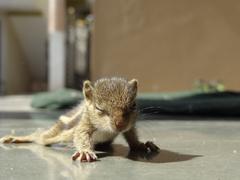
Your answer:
<point x="108" y="109"/>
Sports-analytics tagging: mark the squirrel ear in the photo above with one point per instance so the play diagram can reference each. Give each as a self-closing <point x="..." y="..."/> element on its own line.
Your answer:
<point x="134" y="84"/>
<point x="87" y="89"/>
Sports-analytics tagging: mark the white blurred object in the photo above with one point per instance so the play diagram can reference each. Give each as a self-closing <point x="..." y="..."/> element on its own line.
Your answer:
<point x="56" y="30"/>
<point x="81" y="48"/>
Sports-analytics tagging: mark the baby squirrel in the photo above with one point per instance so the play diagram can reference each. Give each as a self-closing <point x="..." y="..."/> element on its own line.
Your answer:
<point x="108" y="109"/>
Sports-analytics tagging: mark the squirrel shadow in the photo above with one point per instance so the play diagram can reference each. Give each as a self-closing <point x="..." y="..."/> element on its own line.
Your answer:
<point x="59" y="164"/>
<point x="103" y="151"/>
<point x="163" y="156"/>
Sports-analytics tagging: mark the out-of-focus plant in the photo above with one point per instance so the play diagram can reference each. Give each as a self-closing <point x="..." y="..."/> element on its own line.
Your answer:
<point x="209" y="86"/>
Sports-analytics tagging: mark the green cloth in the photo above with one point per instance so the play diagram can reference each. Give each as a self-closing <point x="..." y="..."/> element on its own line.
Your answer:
<point x="56" y="99"/>
<point x="195" y="102"/>
<point x="225" y="103"/>
<point x="68" y="97"/>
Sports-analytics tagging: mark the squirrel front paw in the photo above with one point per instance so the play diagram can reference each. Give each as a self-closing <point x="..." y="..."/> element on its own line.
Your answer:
<point x="84" y="156"/>
<point x="149" y="146"/>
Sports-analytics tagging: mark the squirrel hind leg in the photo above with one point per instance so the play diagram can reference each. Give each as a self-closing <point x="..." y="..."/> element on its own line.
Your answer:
<point x="16" y="139"/>
<point x="63" y="137"/>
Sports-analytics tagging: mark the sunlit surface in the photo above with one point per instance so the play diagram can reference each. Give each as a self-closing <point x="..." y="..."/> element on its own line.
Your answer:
<point x="189" y="150"/>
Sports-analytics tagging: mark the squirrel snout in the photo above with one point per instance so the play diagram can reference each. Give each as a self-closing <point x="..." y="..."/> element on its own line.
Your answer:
<point x="120" y="121"/>
<point x="120" y="124"/>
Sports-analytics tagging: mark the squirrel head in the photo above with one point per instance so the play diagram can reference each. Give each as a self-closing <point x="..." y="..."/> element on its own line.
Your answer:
<point x="114" y="101"/>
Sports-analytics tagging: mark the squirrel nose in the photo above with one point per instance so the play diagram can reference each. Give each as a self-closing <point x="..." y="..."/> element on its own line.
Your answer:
<point x="120" y="124"/>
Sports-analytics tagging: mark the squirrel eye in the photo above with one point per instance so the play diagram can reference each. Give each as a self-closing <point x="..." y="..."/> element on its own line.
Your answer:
<point x="130" y="109"/>
<point x="101" y="110"/>
<point x="133" y="107"/>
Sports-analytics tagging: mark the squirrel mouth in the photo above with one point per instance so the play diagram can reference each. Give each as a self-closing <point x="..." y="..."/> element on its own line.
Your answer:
<point x="121" y="127"/>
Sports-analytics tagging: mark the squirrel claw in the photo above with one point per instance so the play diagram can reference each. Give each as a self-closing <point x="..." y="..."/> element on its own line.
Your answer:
<point x="151" y="146"/>
<point x="84" y="156"/>
<point x="6" y="139"/>
<point x="146" y="147"/>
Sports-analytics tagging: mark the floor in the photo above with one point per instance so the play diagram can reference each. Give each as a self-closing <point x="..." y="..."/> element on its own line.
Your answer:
<point x="208" y="150"/>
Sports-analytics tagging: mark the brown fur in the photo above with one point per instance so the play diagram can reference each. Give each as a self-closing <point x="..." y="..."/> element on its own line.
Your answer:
<point x="109" y="108"/>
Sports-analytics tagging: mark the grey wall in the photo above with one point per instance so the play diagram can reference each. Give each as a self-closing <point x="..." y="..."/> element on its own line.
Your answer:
<point x="15" y="75"/>
<point x="31" y="33"/>
<point x="24" y="44"/>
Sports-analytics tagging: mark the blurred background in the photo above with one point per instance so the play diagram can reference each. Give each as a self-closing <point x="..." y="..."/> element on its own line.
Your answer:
<point x="185" y="54"/>
<point x="167" y="45"/>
